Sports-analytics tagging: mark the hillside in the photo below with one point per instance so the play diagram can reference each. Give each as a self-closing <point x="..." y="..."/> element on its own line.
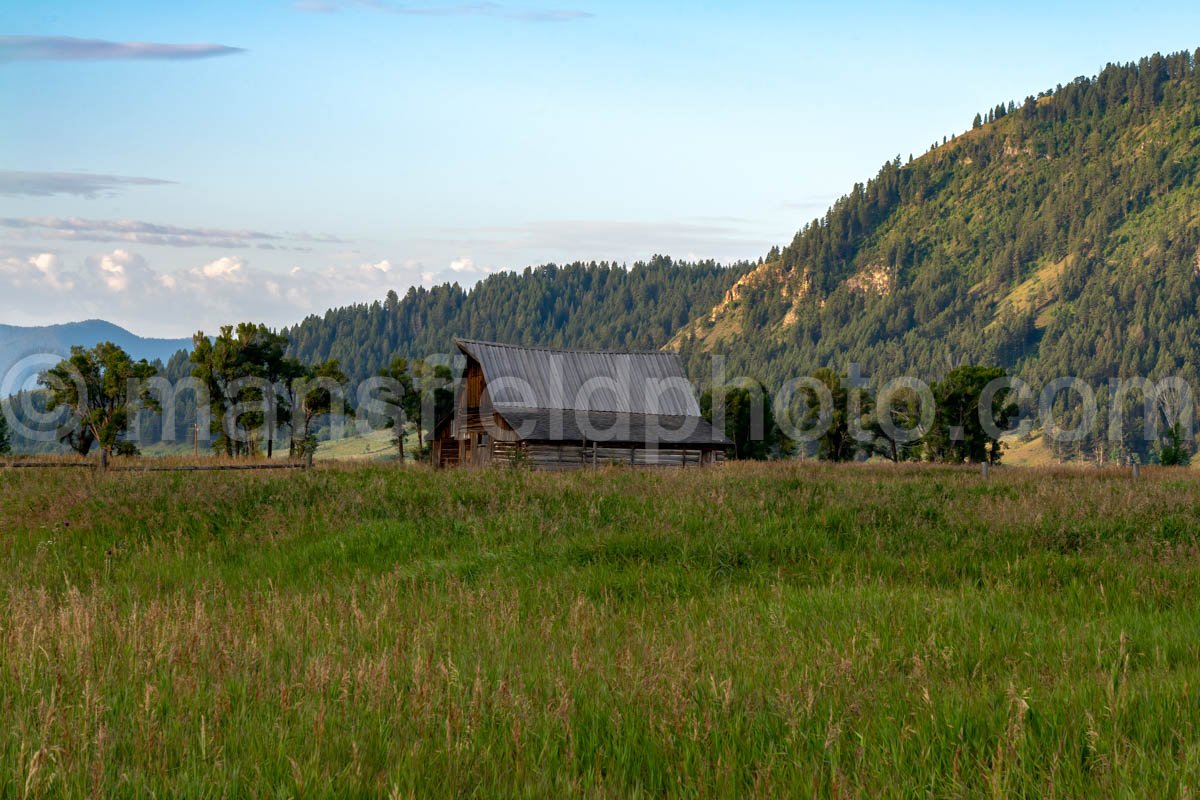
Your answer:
<point x="18" y="343"/>
<point x="598" y="305"/>
<point x="1060" y="236"/>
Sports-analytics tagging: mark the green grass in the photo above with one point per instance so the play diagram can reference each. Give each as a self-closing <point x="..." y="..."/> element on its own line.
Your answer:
<point x="773" y="630"/>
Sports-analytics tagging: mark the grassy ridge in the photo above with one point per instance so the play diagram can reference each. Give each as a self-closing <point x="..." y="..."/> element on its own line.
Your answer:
<point x="780" y="629"/>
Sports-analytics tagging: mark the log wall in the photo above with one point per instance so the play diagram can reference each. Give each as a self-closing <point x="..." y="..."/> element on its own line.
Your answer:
<point x="553" y="456"/>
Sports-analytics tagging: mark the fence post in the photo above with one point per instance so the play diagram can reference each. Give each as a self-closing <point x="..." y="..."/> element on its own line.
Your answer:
<point x="308" y="458"/>
<point x="102" y="462"/>
<point x="1137" y="470"/>
<point x="985" y="470"/>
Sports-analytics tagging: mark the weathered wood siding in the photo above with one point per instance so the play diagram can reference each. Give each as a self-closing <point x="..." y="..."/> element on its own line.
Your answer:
<point x="554" y="456"/>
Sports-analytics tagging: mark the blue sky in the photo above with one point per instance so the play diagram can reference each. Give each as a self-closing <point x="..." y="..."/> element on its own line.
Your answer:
<point x="321" y="152"/>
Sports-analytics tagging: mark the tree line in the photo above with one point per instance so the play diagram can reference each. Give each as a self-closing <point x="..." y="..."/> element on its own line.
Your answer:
<point x="837" y="420"/>
<point x="253" y="396"/>
<point x="959" y="419"/>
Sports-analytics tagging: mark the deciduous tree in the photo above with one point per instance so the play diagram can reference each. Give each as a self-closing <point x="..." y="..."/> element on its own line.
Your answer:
<point x="97" y="386"/>
<point x="901" y="440"/>
<point x="838" y="442"/>
<point x="958" y="432"/>
<point x="749" y="421"/>
<point x="318" y="396"/>
<point x="242" y="369"/>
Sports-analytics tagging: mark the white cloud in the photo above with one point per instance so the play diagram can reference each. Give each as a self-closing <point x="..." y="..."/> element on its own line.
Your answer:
<point x="41" y="272"/>
<point x="120" y="286"/>
<point x="115" y="269"/>
<point x="227" y="268"/>
<point x="470" y="268"/>
<point x="383" y="268"/>
<point x="48" y="266"/>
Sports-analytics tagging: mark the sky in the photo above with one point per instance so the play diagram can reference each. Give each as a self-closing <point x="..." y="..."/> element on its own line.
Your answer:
<point x="172" y="167"/>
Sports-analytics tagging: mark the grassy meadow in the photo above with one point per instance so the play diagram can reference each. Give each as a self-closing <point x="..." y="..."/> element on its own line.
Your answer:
<point x="772" y="630"/>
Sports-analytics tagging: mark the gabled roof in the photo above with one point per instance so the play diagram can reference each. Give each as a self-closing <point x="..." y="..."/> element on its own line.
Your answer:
<point x="650" y="383"/>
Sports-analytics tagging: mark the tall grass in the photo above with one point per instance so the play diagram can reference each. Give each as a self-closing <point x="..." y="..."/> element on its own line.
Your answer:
<point x="747" y="630"/>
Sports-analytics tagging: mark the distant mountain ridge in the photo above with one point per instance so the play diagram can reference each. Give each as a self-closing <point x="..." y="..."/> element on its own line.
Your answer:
<point x="28" y="350"/>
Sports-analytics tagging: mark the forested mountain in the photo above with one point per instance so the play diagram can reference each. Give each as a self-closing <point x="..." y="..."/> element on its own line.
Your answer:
<point x="1059" y="236"/>
<point x="17" y="343"/>
<point x="595" y="305"/>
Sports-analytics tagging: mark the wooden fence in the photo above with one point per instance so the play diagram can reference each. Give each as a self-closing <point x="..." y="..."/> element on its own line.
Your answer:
<point x="103" y="465"/>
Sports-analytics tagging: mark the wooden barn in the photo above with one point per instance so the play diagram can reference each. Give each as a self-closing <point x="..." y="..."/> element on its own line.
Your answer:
<point x="566" y="409"/>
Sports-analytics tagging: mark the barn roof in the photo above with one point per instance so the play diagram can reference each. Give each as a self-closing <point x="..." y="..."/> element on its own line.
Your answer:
<point x="651" y="383"/>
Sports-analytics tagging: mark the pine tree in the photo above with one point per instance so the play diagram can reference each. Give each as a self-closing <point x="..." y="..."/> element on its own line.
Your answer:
<point x="5" y="438"/>
<point x="1174" y="451"/>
